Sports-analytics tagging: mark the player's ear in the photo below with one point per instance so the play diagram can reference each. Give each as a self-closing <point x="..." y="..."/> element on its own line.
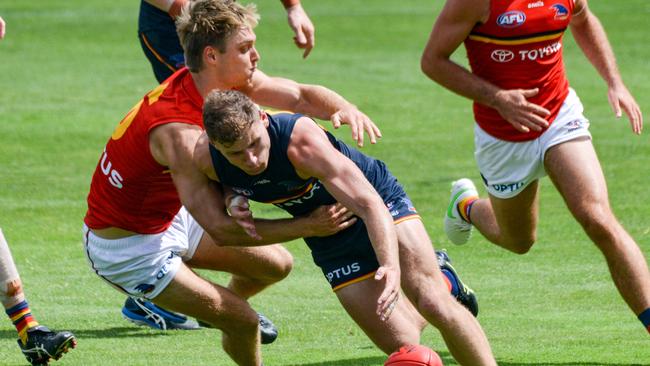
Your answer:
<point x="210" y="54"/>
<point x="264" y="118"/>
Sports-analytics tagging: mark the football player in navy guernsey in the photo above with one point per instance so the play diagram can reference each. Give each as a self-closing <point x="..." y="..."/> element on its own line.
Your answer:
<point x="291" y="162"/>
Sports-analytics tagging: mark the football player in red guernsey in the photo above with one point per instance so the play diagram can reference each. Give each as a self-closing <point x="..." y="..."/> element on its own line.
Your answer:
<point x="152" y="216"/>
<point x="529" y="124"/>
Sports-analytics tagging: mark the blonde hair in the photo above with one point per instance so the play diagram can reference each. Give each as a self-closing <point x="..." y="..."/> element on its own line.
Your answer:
<point x="204" y="23"/>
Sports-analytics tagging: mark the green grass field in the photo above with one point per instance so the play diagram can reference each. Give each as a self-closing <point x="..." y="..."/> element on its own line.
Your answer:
<point x="69" y="71"/>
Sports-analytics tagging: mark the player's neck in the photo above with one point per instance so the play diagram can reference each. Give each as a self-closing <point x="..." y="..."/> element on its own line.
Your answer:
<point x="205" y="82"/>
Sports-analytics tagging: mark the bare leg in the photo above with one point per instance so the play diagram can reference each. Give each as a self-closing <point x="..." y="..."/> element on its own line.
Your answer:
<point x="192" y="295"/>
<point x="11" y="288"/>
<point x="574" y="169"/>
<point x="360" y="301"/>
<point x="423" y="283"/>
<point x="509" y="223"/>
<point x="253" y="268"/>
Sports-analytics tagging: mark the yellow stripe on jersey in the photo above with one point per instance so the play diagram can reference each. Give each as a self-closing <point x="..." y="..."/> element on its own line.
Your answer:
<point x="514" y="42"/>
<point x="273" y="112"/>
<point x="304" y="190"/>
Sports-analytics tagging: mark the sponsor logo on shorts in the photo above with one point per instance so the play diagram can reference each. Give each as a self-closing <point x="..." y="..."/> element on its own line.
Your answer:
<point x="511" y="19"/>
<point x="574" y="125"/>
<point x="343" y="271"/>
<point x="511" y="187"/>
<point x="561" y="12"/>
<point x="502" y="55"/>
<point x="145" y="288"/>
<point x="537" y="4"/>
<point x="164" y="269"/>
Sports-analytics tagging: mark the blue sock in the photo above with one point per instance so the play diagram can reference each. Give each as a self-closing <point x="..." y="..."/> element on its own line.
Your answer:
<point x="452" y="280"/>
<point x="644" y="317"/>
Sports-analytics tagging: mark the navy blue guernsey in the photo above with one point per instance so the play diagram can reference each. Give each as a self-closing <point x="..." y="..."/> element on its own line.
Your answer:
<point x="280" y="185"/>
<point x="152" y="18"/>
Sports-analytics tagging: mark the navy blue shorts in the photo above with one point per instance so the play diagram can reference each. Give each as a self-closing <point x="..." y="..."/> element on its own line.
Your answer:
<point x="159" y="41"/>
<point x="348" y="256"/>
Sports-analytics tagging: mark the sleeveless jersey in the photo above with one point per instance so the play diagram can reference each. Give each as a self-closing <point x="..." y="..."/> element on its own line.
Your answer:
<point x="520" y="47"/>
<point x="151" y="18"/>
<point x="280" y="185"/>
<point x="129" y="189"/>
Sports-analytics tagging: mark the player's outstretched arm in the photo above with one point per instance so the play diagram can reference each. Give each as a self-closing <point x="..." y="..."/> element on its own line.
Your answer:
<point x="592" y="39"/>
<point x="312" y="100"/>
<point x="312" y="155"/>
<point x="452" y="27"/>
<point x="301" y="25"/>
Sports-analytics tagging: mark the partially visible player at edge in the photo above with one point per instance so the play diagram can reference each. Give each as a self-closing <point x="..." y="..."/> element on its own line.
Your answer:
<point x="37" y="342"/>
<point x="159" y="41"/>
<point x="529" y="123"/>
<point x="148" y="223"/>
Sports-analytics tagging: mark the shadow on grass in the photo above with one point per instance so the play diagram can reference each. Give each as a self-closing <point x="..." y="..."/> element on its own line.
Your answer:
<point x="570" y="364"/>
<point x="447" y="359"/>
<point x="115" y="332"/>
<point x="365" y="361"/>
<point x="123" y="332"/>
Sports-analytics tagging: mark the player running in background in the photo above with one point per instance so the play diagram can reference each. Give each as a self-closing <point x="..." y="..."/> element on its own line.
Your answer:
<point x="37" y="342"/>
<point x="289" y="161"/>
<point x="146" y="227"/>
<point x="530" y="123"/>
<point x="159" y="41"/>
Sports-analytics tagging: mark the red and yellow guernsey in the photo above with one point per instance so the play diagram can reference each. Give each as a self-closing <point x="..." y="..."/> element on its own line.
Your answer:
<point x="520" y="47"/>
<point x="129" y="189"/>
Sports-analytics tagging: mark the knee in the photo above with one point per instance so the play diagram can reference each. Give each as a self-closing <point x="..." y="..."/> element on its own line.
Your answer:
<point x="282" y="264"/>
<point x="597" y="221"/>
<point x="437" y="310"/>
<point x="520" y="245"/>
<point x="241" y="320"/>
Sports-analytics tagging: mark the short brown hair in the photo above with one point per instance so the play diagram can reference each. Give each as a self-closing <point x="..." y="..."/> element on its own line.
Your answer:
<point x="205" y="23"/>
<point x="227" y="115"/>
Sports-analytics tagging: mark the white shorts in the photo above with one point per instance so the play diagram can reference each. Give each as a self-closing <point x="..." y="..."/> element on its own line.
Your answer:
<point x="143" y="265"/>
<point x="509" y="167"/>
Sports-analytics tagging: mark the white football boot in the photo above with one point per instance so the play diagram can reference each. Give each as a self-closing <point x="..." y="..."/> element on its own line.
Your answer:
<point x="457" y="229"/>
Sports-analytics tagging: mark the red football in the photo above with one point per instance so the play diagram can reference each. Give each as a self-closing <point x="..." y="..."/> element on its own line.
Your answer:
<point x="416" y="355"/>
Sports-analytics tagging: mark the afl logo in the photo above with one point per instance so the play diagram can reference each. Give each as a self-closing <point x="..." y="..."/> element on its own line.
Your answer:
<point x="511" y="19"/>
<point x="502" y="55"/>
<point x="561" y="11"/>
